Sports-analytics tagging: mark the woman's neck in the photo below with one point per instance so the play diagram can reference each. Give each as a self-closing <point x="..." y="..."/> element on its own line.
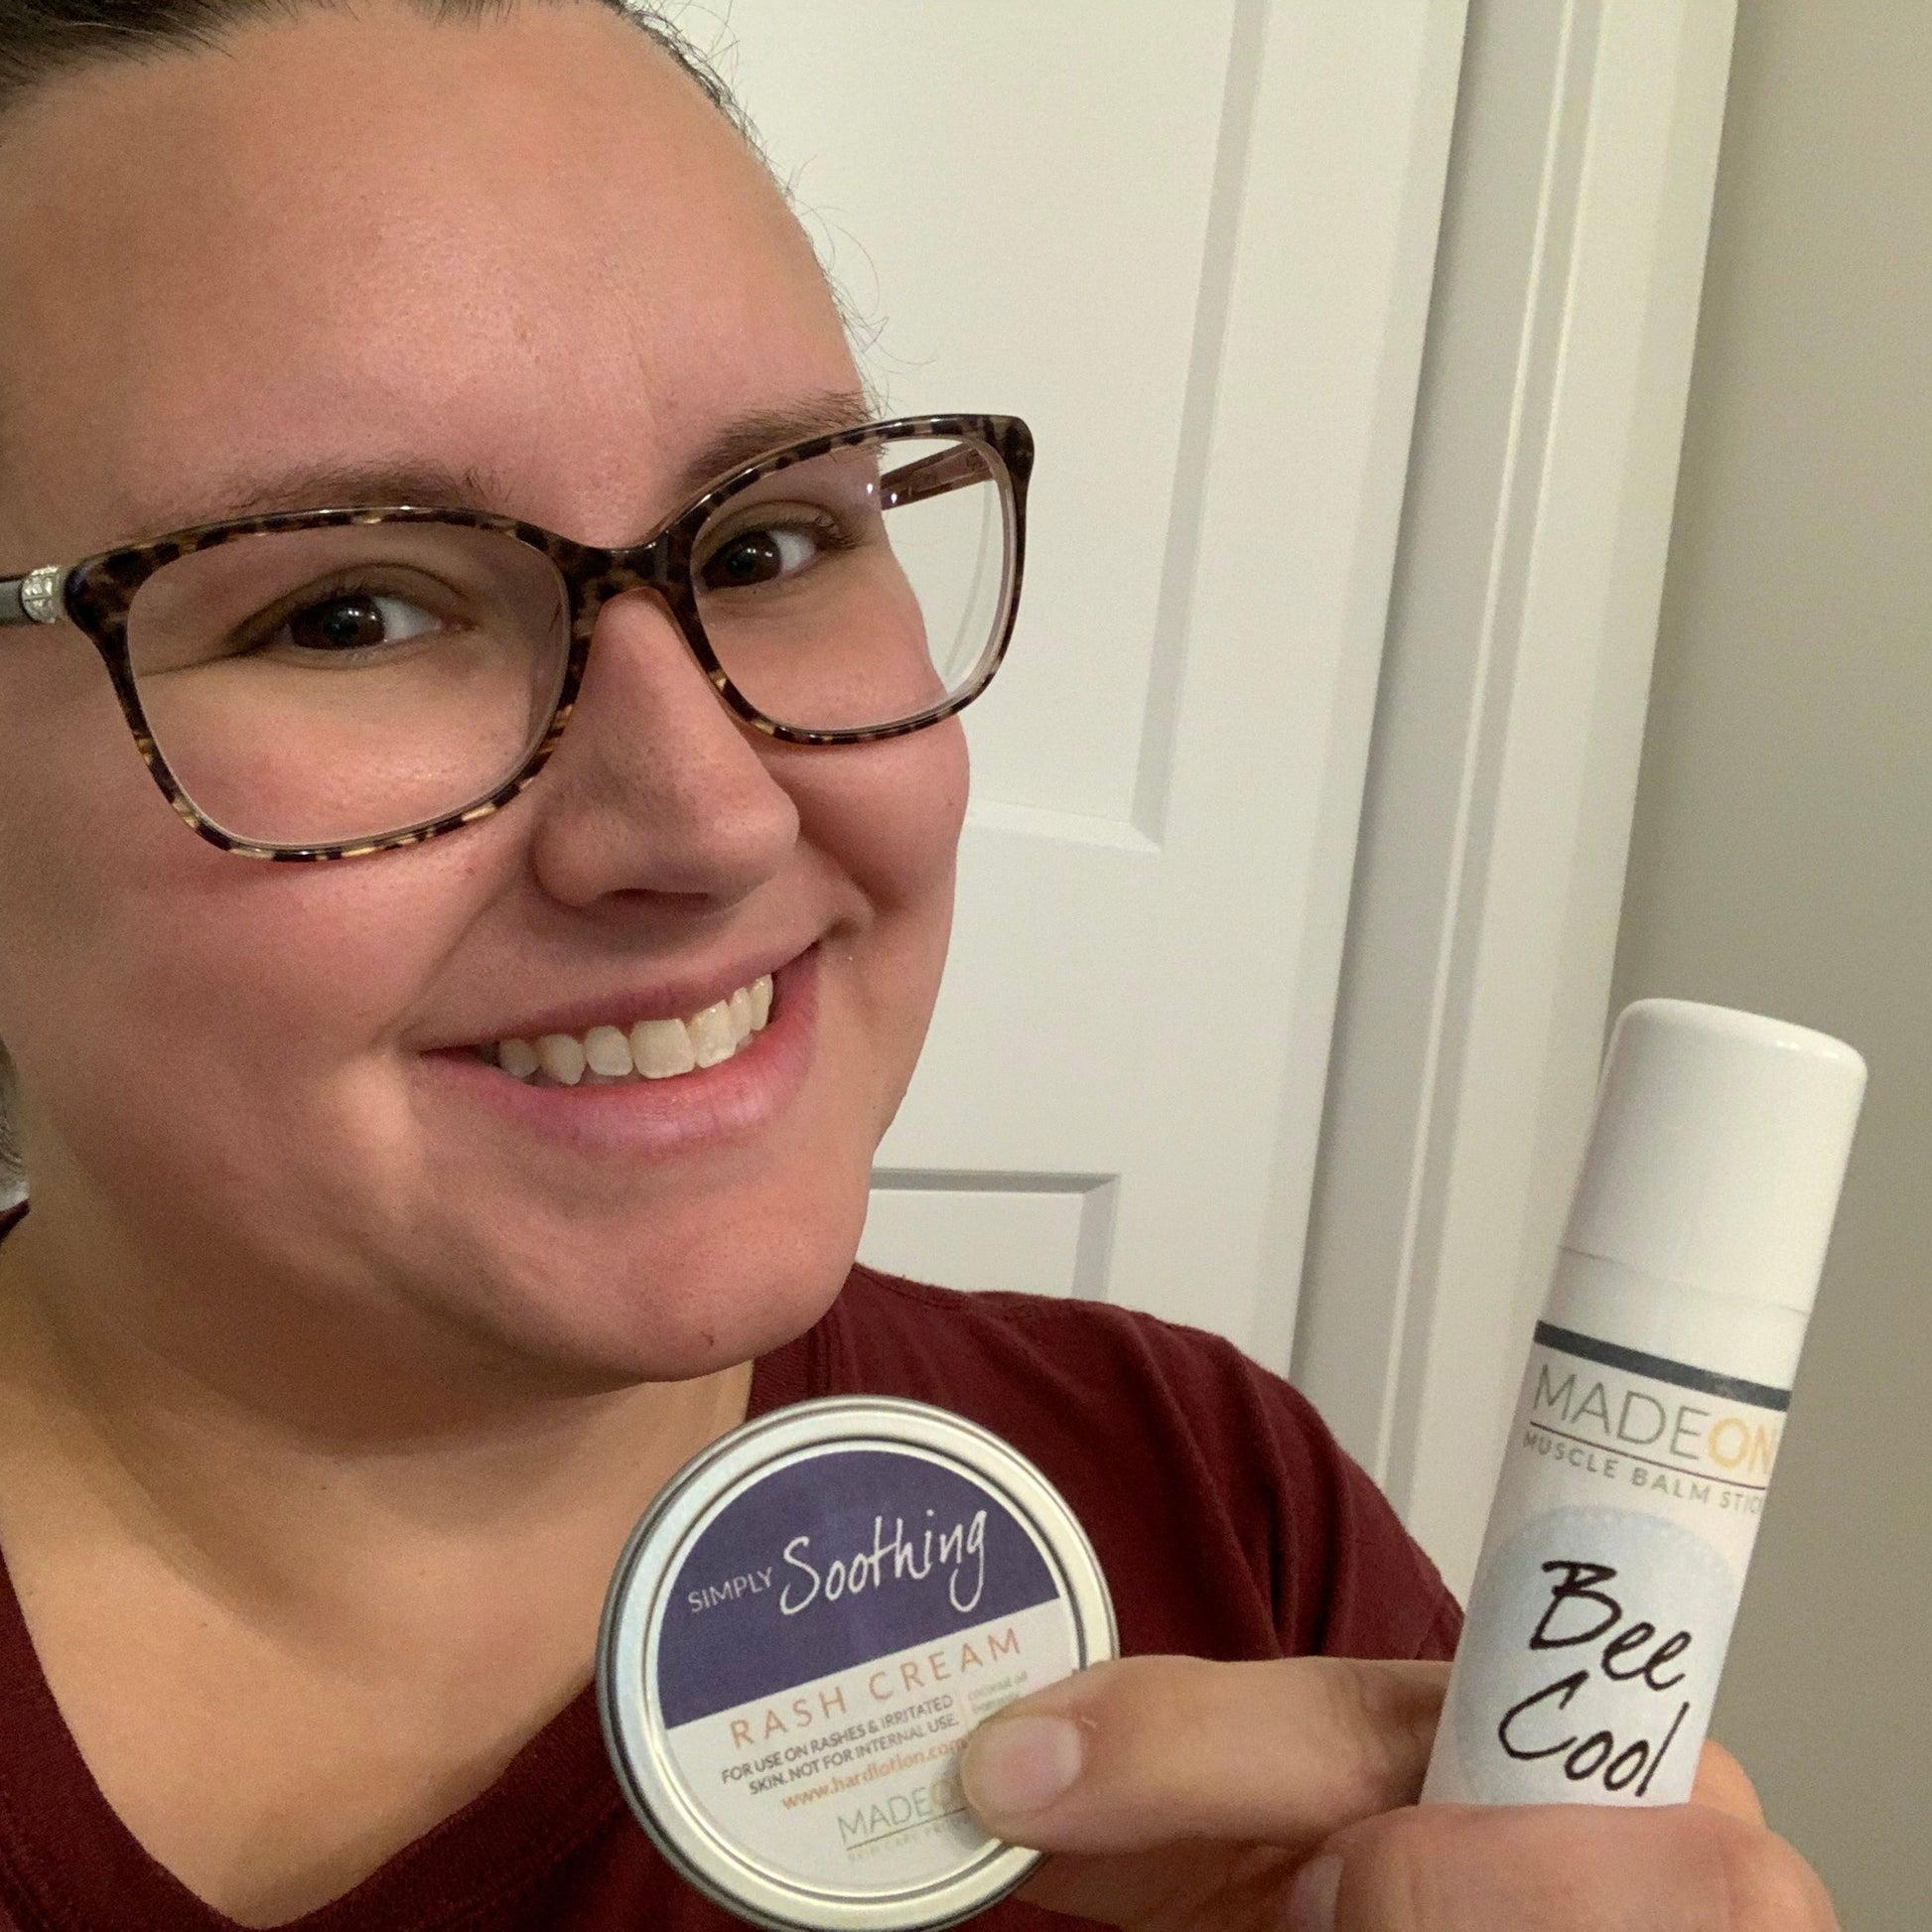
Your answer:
<point x="204" y="1572"/>
<point x="328" y="1485"/>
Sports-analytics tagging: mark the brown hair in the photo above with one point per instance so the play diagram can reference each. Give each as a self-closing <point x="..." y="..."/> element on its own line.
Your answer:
<point x="11" y="1173"/>
<point x="40" y="40"/>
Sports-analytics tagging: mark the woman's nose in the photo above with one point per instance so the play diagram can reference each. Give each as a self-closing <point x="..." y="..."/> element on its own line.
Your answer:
<point x="656" y="786"/>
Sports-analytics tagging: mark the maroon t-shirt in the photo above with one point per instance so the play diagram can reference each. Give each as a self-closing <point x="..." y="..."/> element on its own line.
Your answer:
<point x="1227" y="1520"/>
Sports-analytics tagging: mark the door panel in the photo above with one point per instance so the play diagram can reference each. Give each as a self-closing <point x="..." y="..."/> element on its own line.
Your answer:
<point x="977" y="175"/>
<point x="1040" y="1233"/>
<point x="1197" y="259"/>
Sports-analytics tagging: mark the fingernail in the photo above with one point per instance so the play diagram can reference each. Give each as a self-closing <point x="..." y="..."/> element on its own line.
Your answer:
<point x="1014" y="1765"/>
<point x="1311" y="1903"/>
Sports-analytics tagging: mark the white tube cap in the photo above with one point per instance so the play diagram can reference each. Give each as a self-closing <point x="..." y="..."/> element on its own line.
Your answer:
<point x="1717" y="1151"/>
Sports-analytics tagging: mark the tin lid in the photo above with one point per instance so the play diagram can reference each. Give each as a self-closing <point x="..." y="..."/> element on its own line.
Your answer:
<point x="798" y="1637"/>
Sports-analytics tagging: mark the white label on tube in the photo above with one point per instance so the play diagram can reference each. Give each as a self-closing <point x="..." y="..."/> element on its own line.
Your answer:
<point x="1609" y="1575"/>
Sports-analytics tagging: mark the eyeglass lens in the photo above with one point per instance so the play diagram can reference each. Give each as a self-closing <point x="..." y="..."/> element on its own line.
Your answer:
<point x="317" y="687"/>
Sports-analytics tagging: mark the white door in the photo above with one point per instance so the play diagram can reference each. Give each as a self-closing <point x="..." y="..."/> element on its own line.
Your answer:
<point x="1192" y="247"/>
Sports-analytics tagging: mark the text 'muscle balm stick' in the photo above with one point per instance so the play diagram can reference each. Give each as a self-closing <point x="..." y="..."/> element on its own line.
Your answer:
<point x="799" y="1637"/>
<point x="1651" y="1412"/>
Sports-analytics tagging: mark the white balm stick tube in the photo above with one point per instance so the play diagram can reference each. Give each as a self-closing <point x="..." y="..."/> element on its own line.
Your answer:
<point x="1651" y="1415"/>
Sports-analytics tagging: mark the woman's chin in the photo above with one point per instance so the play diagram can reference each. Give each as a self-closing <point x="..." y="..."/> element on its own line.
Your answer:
<point x="603" y="1328"/>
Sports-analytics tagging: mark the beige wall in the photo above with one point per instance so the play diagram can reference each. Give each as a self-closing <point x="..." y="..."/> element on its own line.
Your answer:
<point x="1782" y="860"/>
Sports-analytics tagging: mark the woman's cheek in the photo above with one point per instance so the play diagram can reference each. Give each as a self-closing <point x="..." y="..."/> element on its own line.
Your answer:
<point x="92" y="861"/>
<point x="890" y="824"/>
<point x="886" y="815"/>
<point x="262" y="989"/>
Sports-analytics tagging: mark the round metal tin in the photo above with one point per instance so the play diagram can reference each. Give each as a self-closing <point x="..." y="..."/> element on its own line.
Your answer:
<point x="802" y="1632"/>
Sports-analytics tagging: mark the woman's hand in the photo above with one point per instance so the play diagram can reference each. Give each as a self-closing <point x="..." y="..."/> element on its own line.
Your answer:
<point x="1185" y="1796"/>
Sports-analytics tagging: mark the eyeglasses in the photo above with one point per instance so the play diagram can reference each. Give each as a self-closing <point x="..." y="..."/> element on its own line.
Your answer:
<point x="321" y="684"/>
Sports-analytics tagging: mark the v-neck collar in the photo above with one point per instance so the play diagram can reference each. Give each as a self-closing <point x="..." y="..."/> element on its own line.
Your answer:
<point x="68" y="1862"/>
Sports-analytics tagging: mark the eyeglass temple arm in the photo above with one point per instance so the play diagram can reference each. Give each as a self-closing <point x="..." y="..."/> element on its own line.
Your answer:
<point x="34" y="599"/>
<point x="932" y="476"/>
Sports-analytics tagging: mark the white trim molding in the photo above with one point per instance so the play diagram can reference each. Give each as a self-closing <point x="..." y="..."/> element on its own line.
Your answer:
<point x="1508" y="729"/>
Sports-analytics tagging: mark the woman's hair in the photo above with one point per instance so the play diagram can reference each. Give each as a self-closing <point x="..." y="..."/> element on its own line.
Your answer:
<point x="42" y="39"/>
<point x="10" y="1169"/>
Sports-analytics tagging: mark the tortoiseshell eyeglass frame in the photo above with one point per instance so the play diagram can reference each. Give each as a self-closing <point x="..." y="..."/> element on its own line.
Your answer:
<point x="97" y="594"/>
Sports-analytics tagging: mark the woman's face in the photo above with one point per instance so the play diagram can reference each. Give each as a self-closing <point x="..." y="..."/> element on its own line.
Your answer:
<point x="528" y="249"/>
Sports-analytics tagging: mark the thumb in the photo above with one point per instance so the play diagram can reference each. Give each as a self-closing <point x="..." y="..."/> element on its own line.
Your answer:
<point x="1721" y="1785"/>
<point x="1147" y="1751"/>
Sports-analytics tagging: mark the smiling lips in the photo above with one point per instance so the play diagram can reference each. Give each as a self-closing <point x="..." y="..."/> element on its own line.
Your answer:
<point x="652" y="1050"/>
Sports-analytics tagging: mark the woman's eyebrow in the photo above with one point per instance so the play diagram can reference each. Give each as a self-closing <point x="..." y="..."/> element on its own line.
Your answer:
<point x="437" y="485"/>
<point x="741" y="439"/>
<point x="331" y="485"/>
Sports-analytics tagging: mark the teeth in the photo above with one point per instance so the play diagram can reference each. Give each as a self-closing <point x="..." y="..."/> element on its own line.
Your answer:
<point x="712" y="1038"/>
<point x="661" y="1047"/>
<point x="563" y="1058"/>
<point x="518" y="1056"/>
<point x="655" y="1050"/>
<point x="607" y="1051"/>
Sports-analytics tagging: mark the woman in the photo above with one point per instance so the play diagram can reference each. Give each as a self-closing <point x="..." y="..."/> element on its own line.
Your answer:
<point x="370" y="1287"/>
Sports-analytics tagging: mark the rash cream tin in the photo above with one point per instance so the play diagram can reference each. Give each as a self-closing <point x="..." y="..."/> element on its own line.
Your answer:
<point x="798" y="1637"/>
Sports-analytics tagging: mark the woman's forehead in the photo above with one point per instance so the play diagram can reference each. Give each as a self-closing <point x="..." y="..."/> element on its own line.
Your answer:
<point x="531" y="244"/>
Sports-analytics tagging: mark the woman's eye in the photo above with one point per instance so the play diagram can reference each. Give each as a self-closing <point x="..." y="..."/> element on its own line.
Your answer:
<point x="760" y="556"/>
<point x="353" y="620"/>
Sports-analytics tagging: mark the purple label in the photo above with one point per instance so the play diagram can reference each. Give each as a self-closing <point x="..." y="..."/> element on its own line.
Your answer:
<point x="834" y="1559"/>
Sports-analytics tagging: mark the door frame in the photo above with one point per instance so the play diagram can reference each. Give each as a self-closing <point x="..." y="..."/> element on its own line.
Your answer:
<point x="1508" y="730"/>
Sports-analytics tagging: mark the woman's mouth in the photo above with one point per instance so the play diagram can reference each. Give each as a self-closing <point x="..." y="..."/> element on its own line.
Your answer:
<point x="640" y="1050"/>
<point x="656" y="1088"/>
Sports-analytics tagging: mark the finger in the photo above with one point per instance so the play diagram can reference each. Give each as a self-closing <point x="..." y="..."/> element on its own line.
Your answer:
<point x="1468" y="1869"/>
<point x="1722" y="1786"/>
<point x="1231" y="1889"/>
<point x="1149" y="1751"/>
